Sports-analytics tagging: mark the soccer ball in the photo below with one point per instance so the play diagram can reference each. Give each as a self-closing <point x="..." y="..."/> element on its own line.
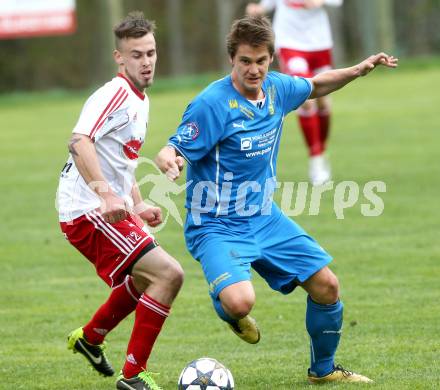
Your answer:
<point x="205" y="374"/>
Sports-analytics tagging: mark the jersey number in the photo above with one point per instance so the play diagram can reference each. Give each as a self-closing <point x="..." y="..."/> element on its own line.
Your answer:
<point x="66" y="168"/>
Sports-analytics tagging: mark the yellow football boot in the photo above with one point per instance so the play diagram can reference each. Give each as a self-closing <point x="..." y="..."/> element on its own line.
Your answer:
<point x="247" y="330"/>
<point x="339" y="374"/>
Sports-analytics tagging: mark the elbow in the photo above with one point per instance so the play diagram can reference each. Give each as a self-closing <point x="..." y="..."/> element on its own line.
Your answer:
<point x="74" y="141"/>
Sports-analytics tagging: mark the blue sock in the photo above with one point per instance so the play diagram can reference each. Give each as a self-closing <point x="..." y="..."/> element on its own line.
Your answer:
<point x="221" y="312"/>
<point x="324" y="324"/>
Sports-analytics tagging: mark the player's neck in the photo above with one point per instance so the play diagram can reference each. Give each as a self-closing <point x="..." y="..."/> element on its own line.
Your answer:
<point x="246" y="93"/>
<point x="133" y="86"/>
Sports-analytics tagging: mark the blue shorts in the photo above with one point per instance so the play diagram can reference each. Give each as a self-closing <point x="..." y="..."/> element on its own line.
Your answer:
<point x="275" y="246"/>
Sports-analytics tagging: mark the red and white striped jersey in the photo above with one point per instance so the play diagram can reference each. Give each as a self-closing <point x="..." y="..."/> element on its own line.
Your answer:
<point x="115" y="117"/>
<point x="296" y="27"/>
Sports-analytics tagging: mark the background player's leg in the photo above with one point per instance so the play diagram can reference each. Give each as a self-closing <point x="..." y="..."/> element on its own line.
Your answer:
<point x="309" y="121"/>
<point x="324" y="114"/>
<point x="323" y="320"/>
<point x="159" y="277"/>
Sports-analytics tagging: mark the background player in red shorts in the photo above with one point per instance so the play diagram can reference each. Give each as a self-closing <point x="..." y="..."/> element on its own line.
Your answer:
<point x="303" y="43"/>
<point x="101" y="210"/>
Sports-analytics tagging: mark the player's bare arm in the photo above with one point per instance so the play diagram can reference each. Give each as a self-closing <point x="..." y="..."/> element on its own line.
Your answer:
<point x="332" y="80"/>
<point x="152" y="215"/>
<point x="170" y="162"/>
<point x="71" y="145"/>
<point x="86" y="160"/>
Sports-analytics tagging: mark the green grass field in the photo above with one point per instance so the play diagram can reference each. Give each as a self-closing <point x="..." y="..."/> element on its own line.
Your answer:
<point x="385" y="128"/>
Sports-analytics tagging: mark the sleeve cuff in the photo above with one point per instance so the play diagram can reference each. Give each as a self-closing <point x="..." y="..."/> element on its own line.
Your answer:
<point x="180" y="151"/>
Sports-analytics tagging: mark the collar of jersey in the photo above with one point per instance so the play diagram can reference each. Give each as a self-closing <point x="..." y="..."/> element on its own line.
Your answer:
<point x="139" y="94"/>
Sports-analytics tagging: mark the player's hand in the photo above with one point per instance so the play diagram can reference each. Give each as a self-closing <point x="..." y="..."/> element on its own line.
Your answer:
<point x="152" y="215"/>
<point x="371" y="62"/>
<point x="254" y="9"/>
<point x="169" y="163"/>
<point x="310" y="4"/>
<point x="113" y="208"/>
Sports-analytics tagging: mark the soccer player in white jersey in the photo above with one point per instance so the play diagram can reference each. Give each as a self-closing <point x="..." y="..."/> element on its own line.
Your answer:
<point x="229" y="136"/>
<point x="102" y="213"/>
<point x="303" y="42"/>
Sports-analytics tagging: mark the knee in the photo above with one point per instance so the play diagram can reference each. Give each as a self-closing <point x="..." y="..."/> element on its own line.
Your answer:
<point x="173" y="275"/>
<point x="323" y="287"/>
<point x="324" y="104"/>
<point x="330" y="291"/>
<point x="239" y="307"/>
<point x="308" y="107"/>
<point x="169" y="277"/>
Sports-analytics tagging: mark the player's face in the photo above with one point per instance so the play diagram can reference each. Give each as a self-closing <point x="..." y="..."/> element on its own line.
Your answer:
<point x="249" y="69"/>
<point x="136" y="58"/>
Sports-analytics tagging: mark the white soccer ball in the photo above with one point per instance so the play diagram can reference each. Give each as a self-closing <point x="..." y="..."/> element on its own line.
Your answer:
<point x="205" y="374"/>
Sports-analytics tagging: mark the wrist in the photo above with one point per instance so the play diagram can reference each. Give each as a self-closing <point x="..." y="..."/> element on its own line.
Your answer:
<point x="170" y="148"/>
<point x="101" y="188"/>
<point x="140" y="207"/>
<point x="356" y="71"/>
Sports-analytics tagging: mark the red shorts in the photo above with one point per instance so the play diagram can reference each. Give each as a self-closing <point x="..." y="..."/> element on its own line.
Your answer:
<point x="304" y="63"/>
<point x="111" y="248"/>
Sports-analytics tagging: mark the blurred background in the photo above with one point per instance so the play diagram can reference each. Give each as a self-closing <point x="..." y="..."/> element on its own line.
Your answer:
<point x="190" y="37"/>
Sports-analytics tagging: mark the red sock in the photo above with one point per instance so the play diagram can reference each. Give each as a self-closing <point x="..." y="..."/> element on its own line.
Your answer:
<point x="324" y="125"/>
<point x="310" y="127"/>
<point x="150" y="316"/>
<point x="122" y="301"/>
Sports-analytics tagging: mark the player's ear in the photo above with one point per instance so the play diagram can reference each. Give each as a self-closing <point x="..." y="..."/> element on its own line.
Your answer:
<point x="118" y="57"/>
<point x="271" y="59"/>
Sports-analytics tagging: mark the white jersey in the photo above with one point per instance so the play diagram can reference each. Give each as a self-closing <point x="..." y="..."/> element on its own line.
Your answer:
<point x="115" y="117"/>
<point x="298" y="28"/>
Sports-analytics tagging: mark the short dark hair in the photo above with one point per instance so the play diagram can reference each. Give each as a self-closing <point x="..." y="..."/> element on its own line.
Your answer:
<point x="133" y="26"/>
<point x="252" y="30"/>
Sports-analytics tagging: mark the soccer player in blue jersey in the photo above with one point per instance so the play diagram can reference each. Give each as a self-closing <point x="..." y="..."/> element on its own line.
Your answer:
<point x="229" y="136"/>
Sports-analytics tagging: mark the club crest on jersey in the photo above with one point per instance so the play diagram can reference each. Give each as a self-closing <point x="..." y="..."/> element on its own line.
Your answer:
<point x="131" y="148"/>
<point x="189" y="132"/>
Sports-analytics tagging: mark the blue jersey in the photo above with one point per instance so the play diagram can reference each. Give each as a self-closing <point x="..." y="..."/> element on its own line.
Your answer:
<point x="231" y="146"/>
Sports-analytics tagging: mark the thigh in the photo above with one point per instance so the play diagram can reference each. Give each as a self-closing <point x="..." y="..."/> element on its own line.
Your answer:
<point x="289" y="255"/>
<point x="111" y="248"/>
<point x="155" y="264"/>
<point x="224" y="252"/>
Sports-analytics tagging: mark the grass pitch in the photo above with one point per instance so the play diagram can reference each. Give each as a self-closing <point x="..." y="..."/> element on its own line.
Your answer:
<point x="385" y="128"/>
